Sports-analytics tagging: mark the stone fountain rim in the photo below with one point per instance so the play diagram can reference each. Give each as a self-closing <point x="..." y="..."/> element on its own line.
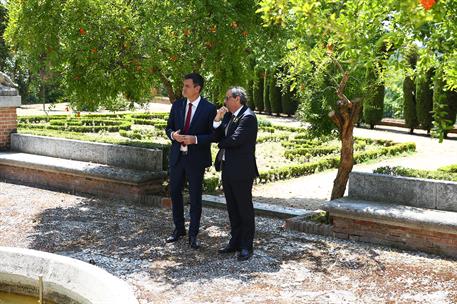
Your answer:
<point x="80" y="281"/>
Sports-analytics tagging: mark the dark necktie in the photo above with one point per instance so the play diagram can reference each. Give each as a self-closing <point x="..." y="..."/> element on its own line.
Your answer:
<point x="187" y="124"/>
<point x="228" y="124"/>
<point x="189" y="115"/>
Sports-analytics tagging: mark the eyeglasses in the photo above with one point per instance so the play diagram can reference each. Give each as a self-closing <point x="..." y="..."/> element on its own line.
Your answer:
<point x="227" y="97"/>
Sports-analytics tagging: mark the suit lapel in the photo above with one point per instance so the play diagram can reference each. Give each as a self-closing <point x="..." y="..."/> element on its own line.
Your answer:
<point x="182" y="114"/>
<point x="236" y="120"/>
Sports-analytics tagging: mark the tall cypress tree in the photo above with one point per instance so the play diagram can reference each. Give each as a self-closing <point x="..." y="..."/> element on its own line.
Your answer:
<point x="289" y="103"/>
<point x="373" y="106"/>
<point x="444" y="104"/>
<point x="409" y="92"/>
<point x="258" y="91"/>
<point x="409" y="104"/>
<point x="275" y="96"/>
<point x="250" y="93"/>
<point x="266" y="93"/>
<point x="424" y="100"/>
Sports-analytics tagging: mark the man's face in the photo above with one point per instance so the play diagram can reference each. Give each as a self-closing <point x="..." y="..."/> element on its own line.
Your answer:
<point x="230" y="102"/>
<point x="189" y="89"/>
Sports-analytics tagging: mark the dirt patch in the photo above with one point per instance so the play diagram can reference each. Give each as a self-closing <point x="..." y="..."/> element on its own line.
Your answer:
<point x="288" y="267"/>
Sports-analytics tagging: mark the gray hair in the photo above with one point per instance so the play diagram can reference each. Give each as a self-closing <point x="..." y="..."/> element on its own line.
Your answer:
<point x="241" y="92"/>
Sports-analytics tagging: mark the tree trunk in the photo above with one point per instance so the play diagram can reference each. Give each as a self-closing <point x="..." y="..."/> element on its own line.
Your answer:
<point x="345" y="118"/>
<point x="169" y="87"/>
<point x="346" y="160"/>
<point x="43" y="96"/>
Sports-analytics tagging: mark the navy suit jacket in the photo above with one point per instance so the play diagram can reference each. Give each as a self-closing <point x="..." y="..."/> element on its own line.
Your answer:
<point x="239" y="145"/>
<point x="201" y="126"/>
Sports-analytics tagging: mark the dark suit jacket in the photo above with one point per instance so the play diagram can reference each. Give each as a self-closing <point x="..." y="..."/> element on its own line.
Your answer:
<point x="200" y="126"/>
<point x="239" y="145"/>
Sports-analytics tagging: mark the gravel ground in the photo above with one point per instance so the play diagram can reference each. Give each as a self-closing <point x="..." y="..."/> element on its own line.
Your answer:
<point x="288" y="267"/>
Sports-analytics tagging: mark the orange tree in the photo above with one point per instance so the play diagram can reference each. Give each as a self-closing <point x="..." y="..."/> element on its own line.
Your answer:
<point x="103" y="48"/>
<point x="334" y="45"/>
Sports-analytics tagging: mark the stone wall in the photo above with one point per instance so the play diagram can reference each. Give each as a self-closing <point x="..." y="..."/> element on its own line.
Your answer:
<point x="401" y="237"/>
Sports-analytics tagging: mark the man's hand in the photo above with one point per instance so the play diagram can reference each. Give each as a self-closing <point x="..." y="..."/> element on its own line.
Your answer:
<point x="189" y="139"/>
<point x="220" y="114"/>
<point x="177" y="136"/>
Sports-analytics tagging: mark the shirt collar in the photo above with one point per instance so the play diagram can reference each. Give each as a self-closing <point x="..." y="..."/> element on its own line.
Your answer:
<point x="237" y="111"/>
<point x="195" y="102"/>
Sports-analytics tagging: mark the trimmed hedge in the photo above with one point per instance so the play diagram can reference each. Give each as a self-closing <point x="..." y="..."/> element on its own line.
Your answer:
<point x="267" y="129"/>
<point x="159" y="123"/>
<point x="449" y="169"/>
<point x="309" y="152"/>
<point x="408" y="172"/>
<point x="272" y="138"/>
<point x="159" y="115"/>
<point x="126" y="125"/>
<point x="330" y="162"/>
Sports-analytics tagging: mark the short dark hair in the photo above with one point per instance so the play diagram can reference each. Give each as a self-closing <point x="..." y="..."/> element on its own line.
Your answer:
<point x="241" y="92"/>
<point x="197" y="79"/>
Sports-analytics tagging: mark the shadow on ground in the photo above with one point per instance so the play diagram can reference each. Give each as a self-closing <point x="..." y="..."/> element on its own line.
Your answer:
<point x="125" y="239"/>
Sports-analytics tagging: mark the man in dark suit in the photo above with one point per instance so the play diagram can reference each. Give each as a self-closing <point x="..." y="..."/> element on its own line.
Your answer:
<point x="236" y="132"/>
<point x="190" y="128"/>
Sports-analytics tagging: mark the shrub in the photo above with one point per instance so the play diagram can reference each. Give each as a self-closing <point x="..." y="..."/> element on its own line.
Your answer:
<point x="450" y="168"/>
<point x="408" y="172"/>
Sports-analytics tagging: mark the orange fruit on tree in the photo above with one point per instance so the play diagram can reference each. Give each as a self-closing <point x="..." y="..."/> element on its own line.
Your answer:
<point x="428" y="4"/>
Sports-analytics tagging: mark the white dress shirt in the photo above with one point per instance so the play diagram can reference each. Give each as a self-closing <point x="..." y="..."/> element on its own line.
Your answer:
<point x="216" y="124"/>
<point x="194" y="108"/>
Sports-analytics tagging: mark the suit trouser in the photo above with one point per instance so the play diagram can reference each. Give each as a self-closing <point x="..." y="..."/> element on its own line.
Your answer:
<point x="179" y="173"/>
<point x="238" y="195"/>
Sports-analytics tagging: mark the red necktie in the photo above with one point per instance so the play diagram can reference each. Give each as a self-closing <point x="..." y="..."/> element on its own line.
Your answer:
<point x="189" y="115"/>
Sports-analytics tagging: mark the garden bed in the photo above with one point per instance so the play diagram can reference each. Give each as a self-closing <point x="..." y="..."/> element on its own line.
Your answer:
<point x="282" y="152"/>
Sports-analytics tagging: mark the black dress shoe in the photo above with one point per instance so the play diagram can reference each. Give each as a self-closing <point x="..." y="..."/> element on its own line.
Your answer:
<point x="244" y="255"/>
<point x="193" y="242"/>
<point x="228" y="249"/>
<point x="175" y="236"/>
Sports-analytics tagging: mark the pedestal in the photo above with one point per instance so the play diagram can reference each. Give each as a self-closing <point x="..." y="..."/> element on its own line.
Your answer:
<point x="8" y="119"/>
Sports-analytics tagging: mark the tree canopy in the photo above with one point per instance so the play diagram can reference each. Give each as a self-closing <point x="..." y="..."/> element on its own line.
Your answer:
<point x="104" y="48"/>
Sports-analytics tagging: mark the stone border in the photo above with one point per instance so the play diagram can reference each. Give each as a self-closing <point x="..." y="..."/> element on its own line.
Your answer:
<point x="303" y="224"/>
<point x="10" y="101"/>
<point x="102" y="153"/>
<point x="259" y="208"/>
<point x="64" y="278"/>
<point x="409" y="191"/>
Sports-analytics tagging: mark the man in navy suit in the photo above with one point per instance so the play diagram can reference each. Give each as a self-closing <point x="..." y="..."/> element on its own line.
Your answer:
<point x="190" y="128"/>
<point x="236" y="131"/>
